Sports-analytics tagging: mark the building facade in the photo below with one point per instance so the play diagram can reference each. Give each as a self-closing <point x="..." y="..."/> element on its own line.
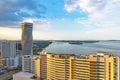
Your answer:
<point x="99" y="66"/>
<point x="8" y="54"/>
<point x="79" y="68"/>
<point x="104" y="67"/>
<point x="8" y="49"/>
<point x="27" y="38"/>
<point x="55" y="66"/>
<point x="31" y="64"/>
<point x="37" y="67"/>
<point x="27" y="64"/>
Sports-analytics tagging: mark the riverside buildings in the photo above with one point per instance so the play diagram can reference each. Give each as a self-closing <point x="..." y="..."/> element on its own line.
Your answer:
<point x="27" y="38"/>
<point x="97" y="66"/>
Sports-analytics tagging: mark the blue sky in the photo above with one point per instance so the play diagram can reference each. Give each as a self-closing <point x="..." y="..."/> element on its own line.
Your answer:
<point x="61" y="19"/>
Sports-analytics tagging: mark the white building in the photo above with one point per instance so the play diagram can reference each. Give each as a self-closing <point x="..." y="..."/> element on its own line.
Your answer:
<point x="24" y="76"/>
<point x="8" y="54"/>
<point x="8" y="49"/>
<point x="28" y="63"/>
<point x="31" y="64"/>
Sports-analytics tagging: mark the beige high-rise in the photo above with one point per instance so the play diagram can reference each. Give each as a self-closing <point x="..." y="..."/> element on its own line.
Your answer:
<point x="27" y="38"/>
<point x="104" y="67"/>
<point x="55" y="66"/>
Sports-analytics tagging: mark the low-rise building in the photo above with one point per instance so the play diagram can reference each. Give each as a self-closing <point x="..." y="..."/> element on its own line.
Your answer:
<point x="24" y="76"/>
<point x="31" y="64"/>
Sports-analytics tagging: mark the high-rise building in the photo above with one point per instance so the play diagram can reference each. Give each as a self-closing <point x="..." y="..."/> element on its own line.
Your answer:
<point x="55" y="66"/>
<point x="104" y="67"/>
<point x="99" y="66"/>
<point x="27" y="38"/>
<point x="37" y="67"/>
<point x="8" y="54"/>
<point x="8" y="49"/>
<point x="79" y="68"/>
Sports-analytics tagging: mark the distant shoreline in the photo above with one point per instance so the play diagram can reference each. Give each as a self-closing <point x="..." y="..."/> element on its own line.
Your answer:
<point x="77" y="42"/>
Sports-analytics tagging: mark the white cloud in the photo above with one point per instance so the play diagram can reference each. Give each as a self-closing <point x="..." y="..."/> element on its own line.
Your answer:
<point x="86" y="5"/>
<point x="103" y="18"/>
<point x="36" y="21"/>
<point x="39" y="24"/>
<point x="108" y="15"/>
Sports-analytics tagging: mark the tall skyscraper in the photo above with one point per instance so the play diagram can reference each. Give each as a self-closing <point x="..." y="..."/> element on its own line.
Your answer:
<point x="27" y="38"/>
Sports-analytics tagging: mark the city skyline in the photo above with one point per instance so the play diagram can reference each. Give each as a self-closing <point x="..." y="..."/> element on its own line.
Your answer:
<point x="64" y="19"/>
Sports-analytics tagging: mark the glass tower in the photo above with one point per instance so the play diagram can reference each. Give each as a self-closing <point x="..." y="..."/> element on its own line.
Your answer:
<point x="27" y="38"/>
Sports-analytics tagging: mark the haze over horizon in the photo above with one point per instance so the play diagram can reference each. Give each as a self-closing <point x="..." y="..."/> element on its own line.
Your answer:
<point x="61" y="19"/>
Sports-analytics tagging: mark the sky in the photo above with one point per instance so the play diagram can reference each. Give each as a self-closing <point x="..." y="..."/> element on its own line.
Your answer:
<point x="61" y="19"/>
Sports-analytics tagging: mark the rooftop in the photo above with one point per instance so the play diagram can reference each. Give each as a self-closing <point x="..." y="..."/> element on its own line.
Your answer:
<point x="24" y="74"/>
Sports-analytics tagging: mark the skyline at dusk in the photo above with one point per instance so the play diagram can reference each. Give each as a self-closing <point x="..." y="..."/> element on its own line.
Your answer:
<point x="61" y="19"/>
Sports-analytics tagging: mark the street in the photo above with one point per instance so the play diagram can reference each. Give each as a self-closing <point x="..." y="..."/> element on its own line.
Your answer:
<point x="6" y="75"/>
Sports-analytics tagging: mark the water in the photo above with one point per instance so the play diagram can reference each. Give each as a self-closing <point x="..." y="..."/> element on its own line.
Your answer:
<point x="86" y="48"/>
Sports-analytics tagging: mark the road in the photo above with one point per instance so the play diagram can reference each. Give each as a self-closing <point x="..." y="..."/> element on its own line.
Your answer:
<point x="6" y="75"/>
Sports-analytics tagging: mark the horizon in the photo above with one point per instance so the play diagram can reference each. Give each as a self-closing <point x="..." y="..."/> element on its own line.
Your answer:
<point x="61" y="20"/>
<point x="60" y="40"/>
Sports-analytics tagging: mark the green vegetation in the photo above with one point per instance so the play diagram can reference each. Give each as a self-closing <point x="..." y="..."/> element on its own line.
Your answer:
<point x="77" y="42"/>
<point x="38" y="46"/>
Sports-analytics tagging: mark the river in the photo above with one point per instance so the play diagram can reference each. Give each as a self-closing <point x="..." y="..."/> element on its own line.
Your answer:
<point x="85" y="48"/>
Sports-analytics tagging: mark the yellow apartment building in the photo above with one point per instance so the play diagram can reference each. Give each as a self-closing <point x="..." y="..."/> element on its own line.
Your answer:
<point x="37" y="67"/>
<point x="98" y="66"/>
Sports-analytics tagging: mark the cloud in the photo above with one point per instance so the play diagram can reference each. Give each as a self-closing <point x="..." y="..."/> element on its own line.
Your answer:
<point x="85" y="5"/>
<point x="40" y="24"/>
<point x="103" y="20"/>
<point x="94" y="19"/>
<point x="107" y="17"/>
<point x="14" y="11"/>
